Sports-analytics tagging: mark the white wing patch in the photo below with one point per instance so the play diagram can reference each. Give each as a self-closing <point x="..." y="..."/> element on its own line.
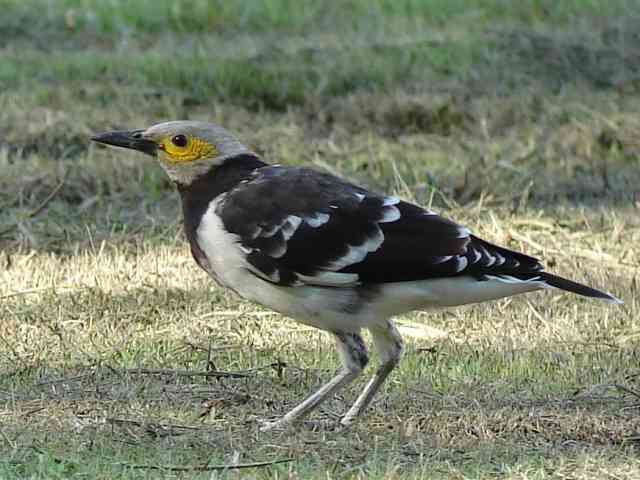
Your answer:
<point x="463" y="232"/>
<point x="290" y="226"/>
<point x="485" y="253"/>
<point x="245" y="250"/>
<point x="357" y="253"/>
<point x="476" y="255"/>
<point x="499" y="259"/>
<point x="287" y="227"/>
<point x="389" y="214"/>
<point x="442" y="259"/>
<point x="461" y="263"/>
<point x="388" y="201"/>
<point x="317" y="219"/>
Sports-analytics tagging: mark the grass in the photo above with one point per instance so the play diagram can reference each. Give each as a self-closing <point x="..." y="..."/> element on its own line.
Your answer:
<point x="519" y="120"/>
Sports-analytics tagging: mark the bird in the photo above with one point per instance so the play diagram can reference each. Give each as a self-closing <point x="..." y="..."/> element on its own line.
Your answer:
<point x="326" y="252"/>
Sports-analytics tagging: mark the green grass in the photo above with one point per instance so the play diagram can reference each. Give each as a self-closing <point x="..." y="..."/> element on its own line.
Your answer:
<point x="275" y="54"/>
<point x="115" y="17"/>
<point x="275" y="79"/>
<point x="519" y="119"/>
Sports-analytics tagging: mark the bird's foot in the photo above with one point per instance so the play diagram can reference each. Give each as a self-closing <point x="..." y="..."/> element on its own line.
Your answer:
<point x="352" y="415"/>
<point x="278" y="425"/>
<point x="348" y="420"/>
<point x="311" y="425"/>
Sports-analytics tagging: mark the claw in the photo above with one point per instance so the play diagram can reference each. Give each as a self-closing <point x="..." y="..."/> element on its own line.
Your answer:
<point x="273" y="426"/>
<point x="347" y="421"/>
<point x="311" y="425"/>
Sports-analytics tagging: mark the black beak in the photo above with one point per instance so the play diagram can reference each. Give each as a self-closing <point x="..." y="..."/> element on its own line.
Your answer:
<point x="127" y="139"/>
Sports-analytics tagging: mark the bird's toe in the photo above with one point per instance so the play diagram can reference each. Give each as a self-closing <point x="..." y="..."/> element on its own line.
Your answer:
<point x="347" y="421"/>
<point x="311" y="425"/>
<point x="321" y="425"/>
<point x="271" y="426"/>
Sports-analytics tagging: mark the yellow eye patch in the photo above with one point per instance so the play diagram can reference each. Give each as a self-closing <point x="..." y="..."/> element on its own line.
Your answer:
<point x="184" y="148"/>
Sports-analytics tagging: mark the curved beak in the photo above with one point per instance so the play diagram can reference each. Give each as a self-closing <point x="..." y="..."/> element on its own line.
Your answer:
<point x="131" y="139"/>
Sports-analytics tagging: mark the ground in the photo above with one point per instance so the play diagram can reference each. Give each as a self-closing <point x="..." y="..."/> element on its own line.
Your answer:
<point x="518" y="119"/>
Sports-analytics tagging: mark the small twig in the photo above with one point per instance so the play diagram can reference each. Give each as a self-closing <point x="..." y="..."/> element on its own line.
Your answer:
<point x="220" y="348"/>
<point x="33" y="411"/>
<point x="193" y="373"/>
<point x="235" y="313"/>
<point x="37" y="290"/>
<point x="47" y="199"/>
<point x="279" y="365"/>
<point x="174" y="468"/>
<point x="205" y="467"/>
<point x="183" y="373"/>
<point x="39" y="208"/>
<point x="122" y="421"/>
<point x="65" y="379"/>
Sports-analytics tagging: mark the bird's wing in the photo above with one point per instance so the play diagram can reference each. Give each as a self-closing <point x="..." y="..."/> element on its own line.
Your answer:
<point x="299" y="226"/>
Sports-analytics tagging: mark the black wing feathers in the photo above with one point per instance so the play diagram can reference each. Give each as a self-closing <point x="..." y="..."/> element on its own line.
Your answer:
<point x="418" y="245"/>
<point x="302" y="226"/>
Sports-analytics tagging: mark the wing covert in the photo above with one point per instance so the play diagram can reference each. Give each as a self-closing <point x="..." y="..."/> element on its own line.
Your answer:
<point x="299" y="226"/>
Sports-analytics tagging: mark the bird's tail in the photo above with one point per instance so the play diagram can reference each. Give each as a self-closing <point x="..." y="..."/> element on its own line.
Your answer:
<point x="570" y="286"/>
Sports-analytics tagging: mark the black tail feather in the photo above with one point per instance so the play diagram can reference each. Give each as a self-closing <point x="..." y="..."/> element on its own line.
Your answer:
<point x="570" y="286"/>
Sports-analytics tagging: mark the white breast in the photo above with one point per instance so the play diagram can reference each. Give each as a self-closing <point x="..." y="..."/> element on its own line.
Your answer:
<point x="226" y="259"/>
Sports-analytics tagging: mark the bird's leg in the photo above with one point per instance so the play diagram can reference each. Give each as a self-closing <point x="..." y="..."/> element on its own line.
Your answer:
<point x="389" y="344"/>
<point x="353" y="353"/>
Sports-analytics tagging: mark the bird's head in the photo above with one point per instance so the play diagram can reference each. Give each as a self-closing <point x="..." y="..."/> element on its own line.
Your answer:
<point x="185" y="149"/>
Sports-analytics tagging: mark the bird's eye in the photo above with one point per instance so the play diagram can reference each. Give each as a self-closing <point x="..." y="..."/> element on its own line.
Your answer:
<point x="179" y="140"/>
